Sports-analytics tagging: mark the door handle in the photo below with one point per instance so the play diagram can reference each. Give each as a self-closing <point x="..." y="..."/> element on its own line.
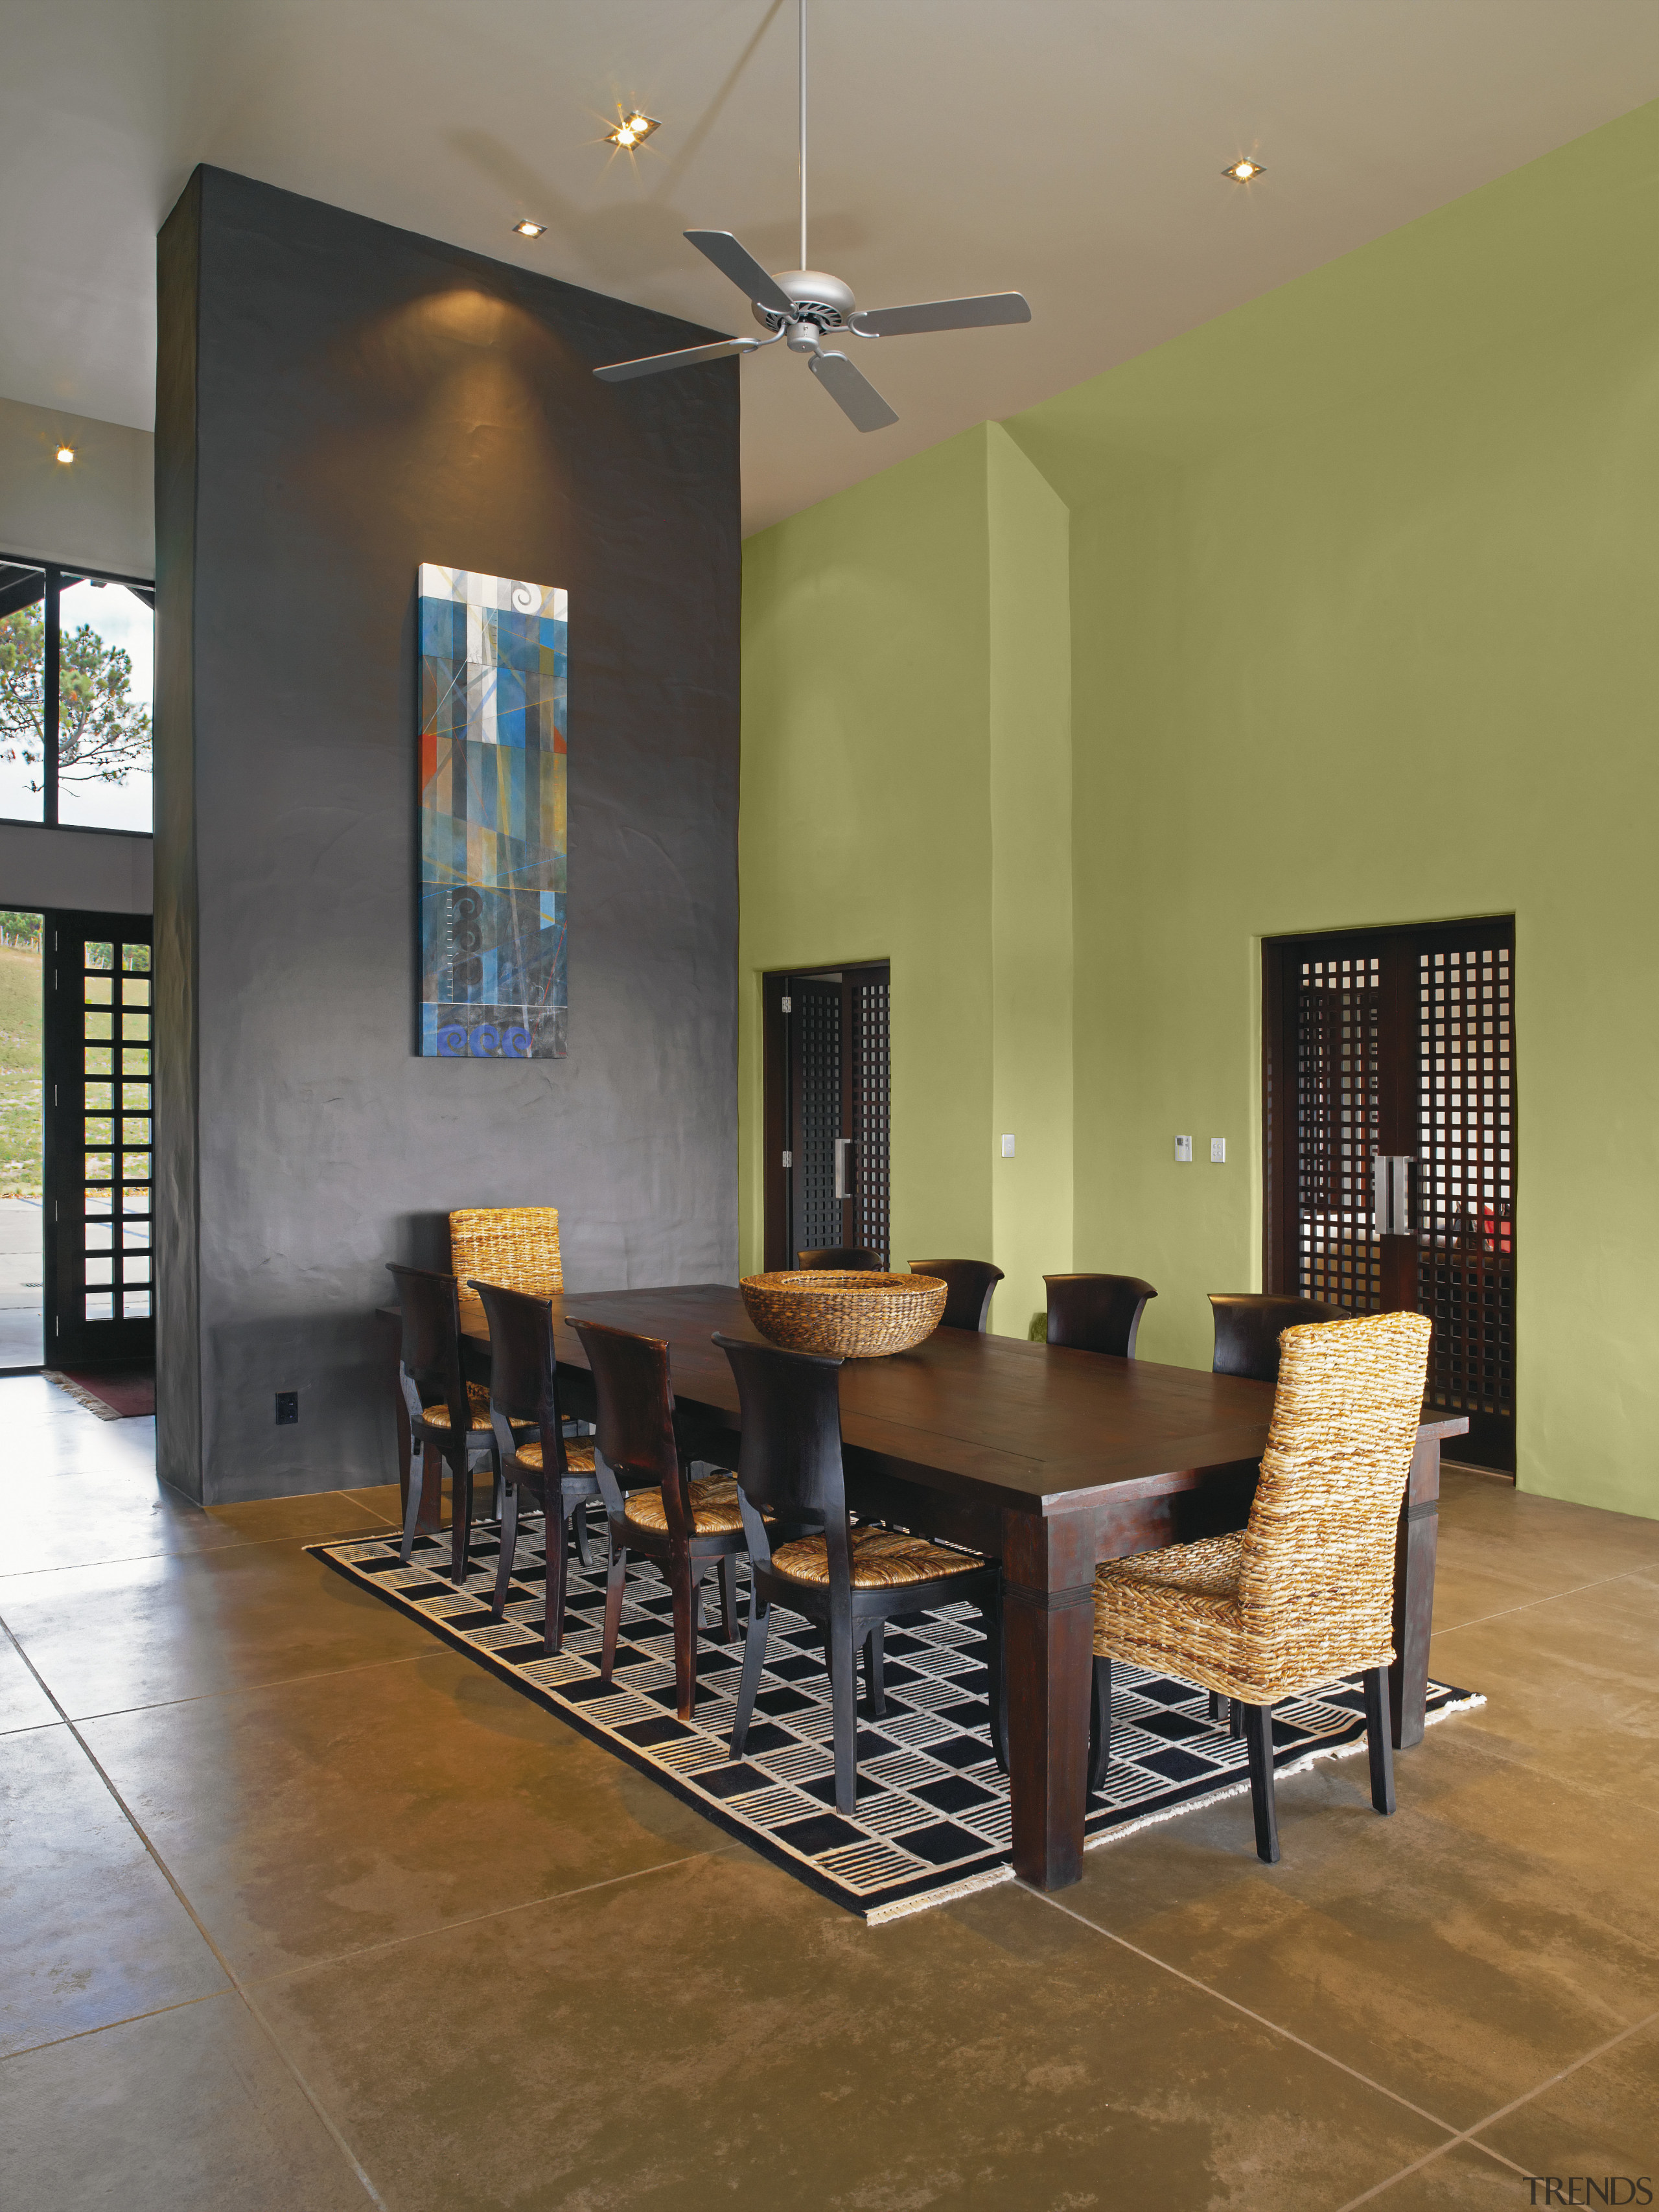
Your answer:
<point x="1391" y="1193"/>
<point x="843" y="1186"/>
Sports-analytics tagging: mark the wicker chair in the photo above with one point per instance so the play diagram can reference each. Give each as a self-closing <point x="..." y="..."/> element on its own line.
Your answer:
<point x="1304" y="1594"/>
<point x="517" y="1246"/>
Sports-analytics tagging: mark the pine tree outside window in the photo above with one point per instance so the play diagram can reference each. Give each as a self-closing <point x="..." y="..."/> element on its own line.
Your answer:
<point x="77" y="685"/>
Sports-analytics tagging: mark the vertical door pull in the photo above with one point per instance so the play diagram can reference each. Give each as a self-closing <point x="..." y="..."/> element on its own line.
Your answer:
<point x="843" y="1188"/>
<point x="1391" y="1186"/>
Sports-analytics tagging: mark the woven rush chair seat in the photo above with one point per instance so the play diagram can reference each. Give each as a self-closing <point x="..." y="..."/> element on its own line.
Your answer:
<point x="1304" y="1594"/>
<point x="477" y="1404"/>
<point x="714" y="1507"/>
<point x="516" y="1246"/>
<point x="578" y="1455"/>
<point x="881" y="1560"/>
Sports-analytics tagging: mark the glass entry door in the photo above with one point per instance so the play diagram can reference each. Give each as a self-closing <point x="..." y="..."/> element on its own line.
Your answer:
<point x="98" y="1159"/>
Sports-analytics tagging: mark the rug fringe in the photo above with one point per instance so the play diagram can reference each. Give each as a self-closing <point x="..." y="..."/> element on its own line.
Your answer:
<point x="1242" y="1789"/>
<point x="878" y="1915"/>
<point x="82" y="1397"/>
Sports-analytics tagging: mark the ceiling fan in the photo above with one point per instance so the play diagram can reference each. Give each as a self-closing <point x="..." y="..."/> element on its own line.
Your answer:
<point x="803" y="306"/>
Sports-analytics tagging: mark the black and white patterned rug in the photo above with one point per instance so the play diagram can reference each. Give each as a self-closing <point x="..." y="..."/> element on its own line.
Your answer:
<point x="933" y="1817"/>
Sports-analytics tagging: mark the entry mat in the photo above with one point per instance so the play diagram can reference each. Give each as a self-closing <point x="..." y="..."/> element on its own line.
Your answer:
<point x="933" y="1817"/>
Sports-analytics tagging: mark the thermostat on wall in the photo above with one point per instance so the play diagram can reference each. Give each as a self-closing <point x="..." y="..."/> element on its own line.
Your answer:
<point x="1183" y="1148"/>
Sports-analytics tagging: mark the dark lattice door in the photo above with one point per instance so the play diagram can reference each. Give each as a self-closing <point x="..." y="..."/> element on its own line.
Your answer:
<point x="867" y="993"/>
<point x="816" y="1027"/>
<point x="1339" y="1008"/>
<point x="1402" y="1044"/>
<point x="1466" y="1224"/>
<point x="98" y="1186"/>
<point x="828" y="1059"/>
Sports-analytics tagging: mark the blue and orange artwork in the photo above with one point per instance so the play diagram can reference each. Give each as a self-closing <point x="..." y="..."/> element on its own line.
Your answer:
<point x="494" y="656"/>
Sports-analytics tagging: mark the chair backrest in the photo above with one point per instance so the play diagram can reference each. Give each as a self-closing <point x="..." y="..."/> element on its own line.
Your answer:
<point x="789" y="1462"/>
<point x="634" y="1423"/>
<point x="968" y="1299"/>
<point x="431" y="1346"/>
<point x="523" y="1369"/>
<point x="1249" y="1325"/>
<point x="842" y="1258"/>
<point x="1317" y="1559"/>
<point x="517" y="1245"/>
<point x="1096" y="1313"/>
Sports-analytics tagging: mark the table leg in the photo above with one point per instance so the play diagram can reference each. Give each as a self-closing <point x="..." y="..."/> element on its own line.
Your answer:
<point x="1047" y="1594"/>
<point x="1414" y="1593"/>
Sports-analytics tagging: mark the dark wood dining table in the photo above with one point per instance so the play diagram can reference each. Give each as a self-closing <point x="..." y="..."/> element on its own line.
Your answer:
<point x="1047" y="1459"/>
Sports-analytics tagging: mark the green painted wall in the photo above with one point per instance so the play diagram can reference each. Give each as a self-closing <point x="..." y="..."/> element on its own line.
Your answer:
<point x="906" y="773"/>
<point x="1361" y="590"/>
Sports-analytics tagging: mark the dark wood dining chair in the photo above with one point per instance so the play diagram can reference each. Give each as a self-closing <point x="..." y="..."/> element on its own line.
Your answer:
<point x="1249" y="1325"/>
<point x="534" y="1452"/>
<point x="849" y="1581"/>
<point x="654" y="1506"/>
<point x="971" y="1283"/>
<point x="446" y="1420"/>
<point x="842" y="1259"/>
<point x="1096" y="1313"/>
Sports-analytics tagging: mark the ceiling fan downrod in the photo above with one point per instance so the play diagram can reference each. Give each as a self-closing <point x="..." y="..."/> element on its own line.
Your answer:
<point x="801" y="306"/>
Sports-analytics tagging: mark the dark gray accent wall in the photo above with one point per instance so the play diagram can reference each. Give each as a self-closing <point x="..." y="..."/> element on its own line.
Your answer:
<point x="341" y="401"/>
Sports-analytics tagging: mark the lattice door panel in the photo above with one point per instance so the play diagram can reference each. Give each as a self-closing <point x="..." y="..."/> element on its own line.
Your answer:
<point x="1339" y="1009"/>
<point x="1465" y="1218"/>
<point x="99" y="1169"/>
<point x="817" y="1210"/>
<point x="870" y="1090"/>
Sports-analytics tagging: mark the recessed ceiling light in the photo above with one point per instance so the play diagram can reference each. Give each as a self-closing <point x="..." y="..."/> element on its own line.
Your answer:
<point x="633" y="130"/>
<point x="530" y="230"/>
<point x="1241" y="171"/>
<point x="66" y="454"/>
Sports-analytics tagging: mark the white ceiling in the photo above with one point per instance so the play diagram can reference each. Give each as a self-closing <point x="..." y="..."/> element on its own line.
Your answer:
<point x="1068" y="148"/>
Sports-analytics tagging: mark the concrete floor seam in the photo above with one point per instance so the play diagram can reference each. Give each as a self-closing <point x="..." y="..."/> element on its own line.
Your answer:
<point x="196" y="1922"/>
<point x="1260" y="2018"/>
<point x="197" y="1552"/>
<point x="104" y="2026"/>
<point x="1471" y="2135"/>
<point x="250" y="1689"/>
<point x="1549" y="1597"/>
<point x="472" y="1920"/>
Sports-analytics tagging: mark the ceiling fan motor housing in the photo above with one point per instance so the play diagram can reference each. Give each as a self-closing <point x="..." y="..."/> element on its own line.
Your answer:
<point x="819" y="299"/>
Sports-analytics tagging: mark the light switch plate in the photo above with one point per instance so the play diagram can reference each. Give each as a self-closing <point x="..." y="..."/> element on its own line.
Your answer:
<point x="1183" y="1148"/>
<point x="1218" y="1151"/>
<point x="1007" y="1148"/>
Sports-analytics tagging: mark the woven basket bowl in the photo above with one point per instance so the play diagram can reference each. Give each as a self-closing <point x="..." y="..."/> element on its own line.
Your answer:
<point x="856" y="1316"/>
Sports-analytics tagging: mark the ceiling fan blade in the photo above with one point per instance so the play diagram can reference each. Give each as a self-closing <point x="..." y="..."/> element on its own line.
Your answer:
<point x="944" y="315"/>
<point x="852" y="392"/>
<point x="738" y="262"/>
<point x="618" y="372"/>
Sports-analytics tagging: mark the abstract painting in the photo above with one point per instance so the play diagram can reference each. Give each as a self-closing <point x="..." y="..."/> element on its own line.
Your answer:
<point x="494" y="657"/>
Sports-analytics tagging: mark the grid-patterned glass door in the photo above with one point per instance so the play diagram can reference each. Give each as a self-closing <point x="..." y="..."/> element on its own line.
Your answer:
<point x="100" y="1070"/>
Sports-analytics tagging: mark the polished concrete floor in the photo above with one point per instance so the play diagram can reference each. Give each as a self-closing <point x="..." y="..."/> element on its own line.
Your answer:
<point x="302" y="1911"/>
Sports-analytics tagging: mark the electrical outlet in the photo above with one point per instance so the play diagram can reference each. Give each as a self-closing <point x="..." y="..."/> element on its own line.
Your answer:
<point x="1183" y="1148"/>
<point x="1218" y="1151"/>
<point x="288" y="1407"/>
